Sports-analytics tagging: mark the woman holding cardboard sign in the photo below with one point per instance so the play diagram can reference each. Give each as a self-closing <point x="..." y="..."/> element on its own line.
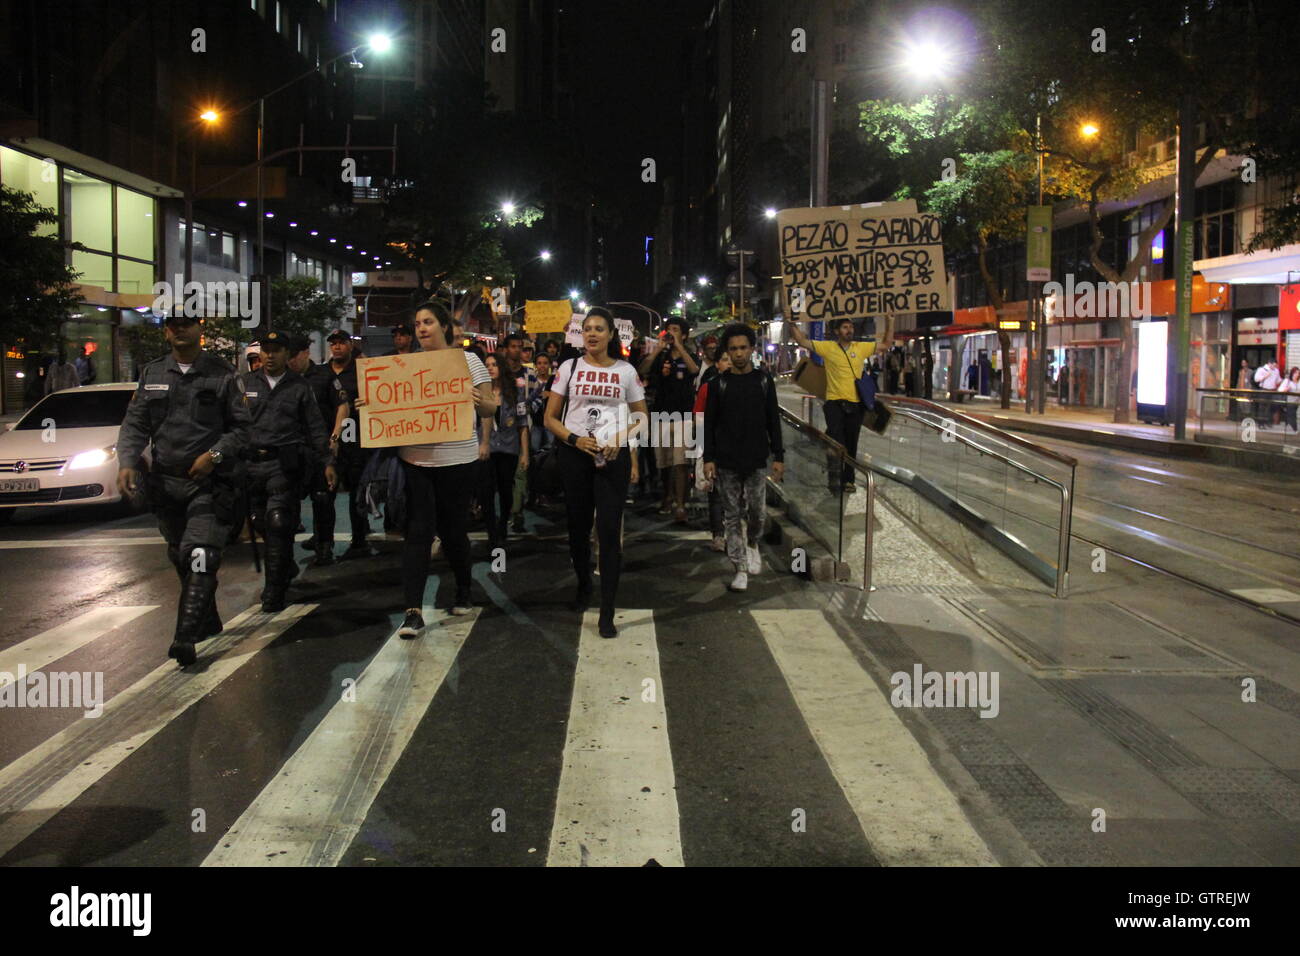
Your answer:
<point x="596" y="405"/>
<point x="439" y="478"/>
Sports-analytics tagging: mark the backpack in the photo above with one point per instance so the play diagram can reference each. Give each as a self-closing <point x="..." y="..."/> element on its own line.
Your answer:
<point x="383" y="484"/>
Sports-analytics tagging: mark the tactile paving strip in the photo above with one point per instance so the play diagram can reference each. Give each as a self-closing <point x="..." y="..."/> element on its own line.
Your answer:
<point x="1133" y="731"/>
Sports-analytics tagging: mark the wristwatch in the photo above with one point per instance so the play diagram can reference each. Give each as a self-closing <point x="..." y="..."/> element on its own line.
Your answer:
<point x="216" y="456"/>
<point x="572" y="439"/>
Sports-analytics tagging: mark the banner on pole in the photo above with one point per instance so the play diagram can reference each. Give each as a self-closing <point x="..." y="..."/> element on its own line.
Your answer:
<point x="852" y="261"/>
<point x="416" y="399"/>
<point x="1038" y="244"/>
<point x="547" y="315"/>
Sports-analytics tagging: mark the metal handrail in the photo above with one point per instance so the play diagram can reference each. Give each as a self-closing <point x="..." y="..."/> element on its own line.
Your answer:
<point x="1067" y="495"/>
<point x="864" y="469"/>
<point x="983" y="426"/>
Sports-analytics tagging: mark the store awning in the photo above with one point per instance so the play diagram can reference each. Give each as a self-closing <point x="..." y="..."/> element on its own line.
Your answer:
<point x="1266" y="267"/>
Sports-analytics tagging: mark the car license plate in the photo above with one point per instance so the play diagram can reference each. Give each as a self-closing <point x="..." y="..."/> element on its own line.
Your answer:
<point x="20" y="484"/>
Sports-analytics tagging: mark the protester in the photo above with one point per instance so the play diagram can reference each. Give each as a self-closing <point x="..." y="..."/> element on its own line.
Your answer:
<point x="742" y="428"/>
<point x="843" y="409"/>
<point x="439" y="477"/>
<point x="671" y="368"/>
<point x="352" y="457"/>
<point x="538" y="436"/>
<point x="1291" y="385"/>
<point x="716" y="368"/>
<point x="590" y="412"/>
<point x="508" y="445"/>
<point x="512" y="353"/>
<point x="332" y="403"/>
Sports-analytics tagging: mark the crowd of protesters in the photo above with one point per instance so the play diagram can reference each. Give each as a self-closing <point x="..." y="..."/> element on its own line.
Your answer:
<point x="559" y="421"/>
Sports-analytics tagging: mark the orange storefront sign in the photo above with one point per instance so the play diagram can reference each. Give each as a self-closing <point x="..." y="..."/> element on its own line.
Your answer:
<point x="1206" y="297"/>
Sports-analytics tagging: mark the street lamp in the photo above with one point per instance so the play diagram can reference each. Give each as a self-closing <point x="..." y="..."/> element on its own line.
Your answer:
<point x="508" y="208"/>
<point x="926" y="59"/>
<point x="545" y="255"/>
<point x="573" y="293"/>
<point x="703" y="281"/>
<point x="209" y="116"/>
<point x="1089" y="130"/>
<point x="769" y="212"/>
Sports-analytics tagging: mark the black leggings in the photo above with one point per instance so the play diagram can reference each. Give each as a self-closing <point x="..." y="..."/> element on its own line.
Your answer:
<point x="437" y="501"/>
<point x="498" y="481"/>
<point x="595" y="492"/>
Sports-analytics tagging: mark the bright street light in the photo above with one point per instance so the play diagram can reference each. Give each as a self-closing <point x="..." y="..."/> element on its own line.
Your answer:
<point x="546" y="255"/>
<point x="926" y="59"/>
<point x="1089" y="129"/>
<point x="508" y="208"/>
<point x="769" y="212"/>
<point x="573" y="293"/>
<point x="380" y="42"/>
<point x="703" y="280"/>
<point x="209" y="116"/>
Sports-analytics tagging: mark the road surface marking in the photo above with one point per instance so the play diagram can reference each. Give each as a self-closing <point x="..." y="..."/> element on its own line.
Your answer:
<point x="617" y="780"/>
<point x="908" y="814"/>
<point x="49" y="777"/>
<point x="1267" y="595"/>
<point x="49" y="646"/>
<point x="310" y="813"/>
<point x="80" y="543"/>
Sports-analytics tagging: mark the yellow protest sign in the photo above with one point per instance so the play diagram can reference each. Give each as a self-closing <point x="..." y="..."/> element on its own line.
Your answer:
<point x="547" y="315"/>
<point x="851" y="261"/>
<point x="415" y="399"/>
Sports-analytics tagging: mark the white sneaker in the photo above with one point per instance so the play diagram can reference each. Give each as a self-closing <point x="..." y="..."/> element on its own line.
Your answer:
<point x="755" y="559"/>
<point x="740" y="582"/>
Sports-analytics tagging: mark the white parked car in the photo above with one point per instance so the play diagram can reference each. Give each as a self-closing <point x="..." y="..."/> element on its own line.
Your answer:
<point x="64" y="450"/>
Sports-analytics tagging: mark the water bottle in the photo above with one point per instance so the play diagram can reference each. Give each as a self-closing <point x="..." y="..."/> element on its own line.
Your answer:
<point x="600" y="455"/>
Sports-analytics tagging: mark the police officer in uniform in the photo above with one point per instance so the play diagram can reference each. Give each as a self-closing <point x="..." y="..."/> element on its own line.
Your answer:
<point x="191" y="408"/>
<point x="352" y="457"/>
<point x="286" y="425"/>
<point x="334" y="410"/>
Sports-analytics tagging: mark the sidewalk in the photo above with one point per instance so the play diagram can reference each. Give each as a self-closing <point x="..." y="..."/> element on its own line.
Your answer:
<point x="1095" y="426"/>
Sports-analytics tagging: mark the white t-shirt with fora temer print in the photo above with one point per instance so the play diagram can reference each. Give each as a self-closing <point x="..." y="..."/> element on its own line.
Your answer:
<point x="598" y="397"/>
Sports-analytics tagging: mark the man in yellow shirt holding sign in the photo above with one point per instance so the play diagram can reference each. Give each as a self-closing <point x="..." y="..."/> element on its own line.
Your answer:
<point x="844" y="361"/>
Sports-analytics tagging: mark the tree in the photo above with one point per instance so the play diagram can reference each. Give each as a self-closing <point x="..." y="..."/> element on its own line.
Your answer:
<point x="298" y="308"/>
<point x="36" y="292"/>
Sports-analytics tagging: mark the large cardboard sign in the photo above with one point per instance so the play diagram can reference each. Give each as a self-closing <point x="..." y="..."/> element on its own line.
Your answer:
<point x="415" y="399"/>
<point x="546" y="315"/>
<point x="851" y="261"/>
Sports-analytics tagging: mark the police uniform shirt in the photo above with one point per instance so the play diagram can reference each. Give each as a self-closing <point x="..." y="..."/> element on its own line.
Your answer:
<point x="347" y="380"/>
<point x="284" y="412"/>
<point x="184" y="413"/>
<point x="327" y="390"/>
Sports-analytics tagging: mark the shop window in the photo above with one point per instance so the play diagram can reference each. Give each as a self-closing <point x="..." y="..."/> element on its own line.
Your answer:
<point x="134" y="278"/>
<point x="32" y="175"/>
<point x="95" y="269"/>
<point x="89" y="202"/>
<point x="135" y="224"/>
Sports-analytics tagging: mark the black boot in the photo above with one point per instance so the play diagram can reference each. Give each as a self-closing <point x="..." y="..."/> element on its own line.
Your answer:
<point x="324" y="554"/>
<point x="197" y="598"/>
<point x="606" y="624"/>
<point x="276" y="574"/>
<point x="582" y="597"/>
<point x="212" y="625"/>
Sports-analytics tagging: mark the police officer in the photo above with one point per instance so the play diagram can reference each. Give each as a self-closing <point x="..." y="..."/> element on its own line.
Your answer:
<point x="191" y="408"/>
<point x="403" y="340"/>
<point x="351" y="457"/>
<point x="286" y="425"/>
<point x="334" y="409"/>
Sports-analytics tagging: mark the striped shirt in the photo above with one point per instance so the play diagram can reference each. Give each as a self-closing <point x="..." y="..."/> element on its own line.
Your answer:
<point x="443" y="454"/>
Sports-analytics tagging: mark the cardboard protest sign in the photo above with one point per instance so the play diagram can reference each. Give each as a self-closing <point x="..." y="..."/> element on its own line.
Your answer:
<point x="547" y="315"/>
<point x="851" y="261"/>
<point x="625" y="332"/>
<point x="573" y="334"/>
<point x="415" y="399"/>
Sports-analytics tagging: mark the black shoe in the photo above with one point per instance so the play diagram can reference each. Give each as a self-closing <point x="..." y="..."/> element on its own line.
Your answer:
<point x="606" y="624"/>
<point x="324" y="555"/>
<point x="355" y="551"/>
<point x="462" y="604"/>
<point x="412" y="626"/>
<point x="517" y="526"/>
<point x="309" y="544"/>
<point x="273" y="601"/>
<point x="582" y="597"/>
<point x="182" y="652"/>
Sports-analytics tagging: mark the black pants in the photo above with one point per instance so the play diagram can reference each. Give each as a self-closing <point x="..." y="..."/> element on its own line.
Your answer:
<point x="497" y="483"/>
<point x="595" y="493"/>
<point x="844" y="425"/>
<point x="435" y="498"/>
<point x="351" y="463"/>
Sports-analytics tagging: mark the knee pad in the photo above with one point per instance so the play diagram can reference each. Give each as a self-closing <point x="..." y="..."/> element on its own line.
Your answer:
<point x="278" y="521"/>
<point x="202" y="559"/>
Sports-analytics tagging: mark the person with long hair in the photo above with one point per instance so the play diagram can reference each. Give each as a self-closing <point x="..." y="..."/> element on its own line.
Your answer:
<point x="509" y="451"/>
<point x="439" y="477"/>
<point x="1291" y="385"/>
<point x="590" y="412"/>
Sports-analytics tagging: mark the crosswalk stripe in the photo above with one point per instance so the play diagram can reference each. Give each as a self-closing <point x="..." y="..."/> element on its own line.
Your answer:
<point x="48" y="646"/>
<point x="52" y="775"/>
<point x="907" y="812"/>
<point x="80" y="543"/>
<point x="310" y="813"/>
<point x="617" y="799"/>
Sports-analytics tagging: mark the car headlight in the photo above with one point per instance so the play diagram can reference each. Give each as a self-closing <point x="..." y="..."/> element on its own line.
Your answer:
<point x="90" y="459"/>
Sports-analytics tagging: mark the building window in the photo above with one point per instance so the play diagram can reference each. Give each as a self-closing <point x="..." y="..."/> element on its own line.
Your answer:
<point x="1216" y="220"/>
<point x="212" y="246"/>
<point x="32" y="175"/>
<point x="841" y="52"/>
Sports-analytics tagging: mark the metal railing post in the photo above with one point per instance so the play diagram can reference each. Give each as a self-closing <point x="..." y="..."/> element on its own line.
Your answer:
<point x="868" y="541"/>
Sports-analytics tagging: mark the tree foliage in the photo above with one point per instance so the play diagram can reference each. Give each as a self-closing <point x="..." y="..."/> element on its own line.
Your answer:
<point x="36" y="294"/>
